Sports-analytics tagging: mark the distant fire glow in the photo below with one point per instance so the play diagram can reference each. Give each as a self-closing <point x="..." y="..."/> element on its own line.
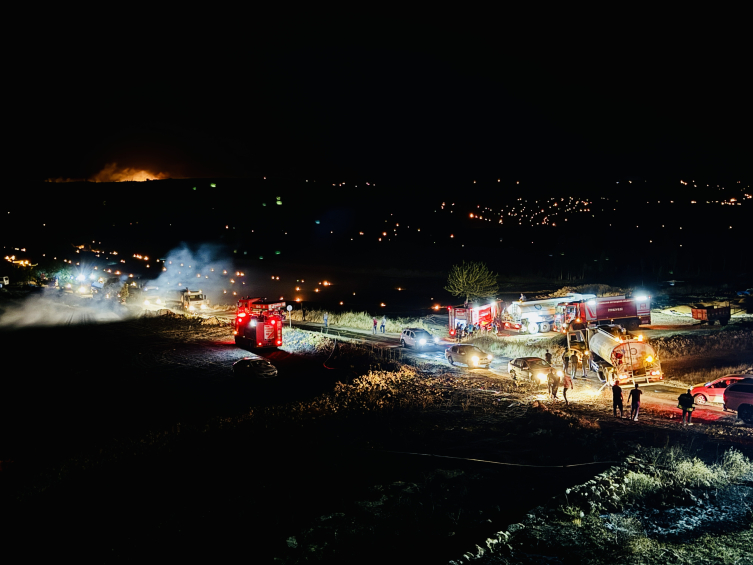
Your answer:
<point x="113" y="173"/>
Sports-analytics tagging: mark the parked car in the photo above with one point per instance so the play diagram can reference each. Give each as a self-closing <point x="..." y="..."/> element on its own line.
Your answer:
<point x="739" y="397"/>
<point x="713" y="391"/>
<point x="469" y="355"/>
<point x="531" y="368"/>
<point x="417" y="337"/>
<point x="254" y="366"/>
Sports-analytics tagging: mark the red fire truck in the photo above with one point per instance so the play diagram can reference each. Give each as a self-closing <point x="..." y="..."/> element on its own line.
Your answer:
<point x="482" y="315"/>
<point x="627" y="312"/>
<point x="258" y="323"/>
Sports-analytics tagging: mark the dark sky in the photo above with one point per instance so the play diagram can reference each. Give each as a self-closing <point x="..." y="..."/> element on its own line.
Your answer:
<point x="531" y="100"/>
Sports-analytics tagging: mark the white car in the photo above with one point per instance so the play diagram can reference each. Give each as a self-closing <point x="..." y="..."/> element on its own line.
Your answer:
<point x="469" y="355"/>
<point x="417" y="337"/>
<point x="531" y="368"/>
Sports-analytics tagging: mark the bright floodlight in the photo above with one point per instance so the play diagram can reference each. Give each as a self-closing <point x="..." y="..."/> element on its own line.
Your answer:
<point x="641" y="297"/>
<point x="80" y="278"/>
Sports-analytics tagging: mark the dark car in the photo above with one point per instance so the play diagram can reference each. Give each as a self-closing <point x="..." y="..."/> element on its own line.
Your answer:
<point x="532" y="368"/>
<point x="254" y="367"/>
<point x="469" y="355"/>
<point x="739" y="397"/>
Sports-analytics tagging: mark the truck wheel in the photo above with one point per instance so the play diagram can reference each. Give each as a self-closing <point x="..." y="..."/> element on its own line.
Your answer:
<point x="402" y="343"/>
<point x="533" y="329"/>
<point x="700" y="399"/>
<point x="512" y="374"/>
<point x="632" y="325"/>
<point x="544" y="327"/>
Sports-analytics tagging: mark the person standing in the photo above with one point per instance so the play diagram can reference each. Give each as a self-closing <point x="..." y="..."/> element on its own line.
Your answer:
<point x="375" y="325"/>
<point x="584" y="362"/>
<point x="573" y="363"/>
<point x="617" y="400"/>
<point x="548" y="357"/>
<point x="687" y="403"/>
<point x="383" y="324"/>
<point x="551" y="381"/>
<point x="326" y="320"/>
<point x="567" y="383"/>
<point x="634" y="398"/>
<point x="565" y="362"/>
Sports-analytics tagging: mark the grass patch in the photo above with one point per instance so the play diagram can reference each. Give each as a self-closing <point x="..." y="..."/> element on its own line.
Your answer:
<point x="359" y="320"/>
<point x="518" y="348"/>
<point x="678" y="346"/>
<point x="692" y="377"/>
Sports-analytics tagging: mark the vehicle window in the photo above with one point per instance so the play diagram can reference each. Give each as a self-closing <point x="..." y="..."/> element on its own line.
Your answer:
<point x="721" y="384"/>
<point x="748" y="389"/>
<point x="454" y="349"/>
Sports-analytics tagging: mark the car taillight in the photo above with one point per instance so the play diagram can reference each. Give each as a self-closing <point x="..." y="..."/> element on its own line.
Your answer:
<point x="279" y="342"/>
<point x="273" y="322"/>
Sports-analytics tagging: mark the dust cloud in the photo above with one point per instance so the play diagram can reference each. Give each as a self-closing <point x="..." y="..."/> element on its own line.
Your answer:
<point x="55" y="308"/>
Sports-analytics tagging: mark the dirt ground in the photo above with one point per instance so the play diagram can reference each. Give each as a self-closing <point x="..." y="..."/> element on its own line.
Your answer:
<point x="130" y="437"/>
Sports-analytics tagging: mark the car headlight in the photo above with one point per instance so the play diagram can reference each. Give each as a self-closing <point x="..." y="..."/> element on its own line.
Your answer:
<point x="475" y="360"/>
<point x="146" y="302"/>
<point x="541" y="377"/>
<point x="203" y="306"/>
<point x="489" y="357"/>
<point x="422" y="341"/>
<point x="436" y="339"/>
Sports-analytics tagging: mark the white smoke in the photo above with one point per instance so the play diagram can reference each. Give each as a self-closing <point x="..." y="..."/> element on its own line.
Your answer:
<point x="55" y="308"/>
<point x="206" y="268"/>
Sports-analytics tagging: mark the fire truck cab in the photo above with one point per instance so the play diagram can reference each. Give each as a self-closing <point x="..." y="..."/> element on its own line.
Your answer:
<point x="258" y="323"/>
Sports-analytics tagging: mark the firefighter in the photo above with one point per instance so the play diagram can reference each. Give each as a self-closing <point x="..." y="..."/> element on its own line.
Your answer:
<point x="687" y="403"/>
<point x="548" y="357"/>
<point x="584" y="361"/>
<point x="565" y="361"/>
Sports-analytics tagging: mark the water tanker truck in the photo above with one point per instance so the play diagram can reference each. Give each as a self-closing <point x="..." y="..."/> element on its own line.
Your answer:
<point x="617" y="356"/>
<point x="534" y="316"/>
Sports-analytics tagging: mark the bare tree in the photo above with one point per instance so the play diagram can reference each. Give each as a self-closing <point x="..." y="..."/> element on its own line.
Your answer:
<point x="472" y="280"/>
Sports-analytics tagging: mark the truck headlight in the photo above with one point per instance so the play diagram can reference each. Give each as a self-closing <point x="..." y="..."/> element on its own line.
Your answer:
<point x="146" y="302"/>
<point x="559" y="373"/>
<point x="158" y="301"/>
<point x="475" y="360"/>
<point x="203" y="306"/>
<point x="191" y="308"/>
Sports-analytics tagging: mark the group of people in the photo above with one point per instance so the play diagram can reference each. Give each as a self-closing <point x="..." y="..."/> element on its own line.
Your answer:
<point x="382" y="325"/>
<point x="553" y="383"/>
<point x="634" y="398"/>
<point x="463" y="331"/>
<point x="570" y="363"/>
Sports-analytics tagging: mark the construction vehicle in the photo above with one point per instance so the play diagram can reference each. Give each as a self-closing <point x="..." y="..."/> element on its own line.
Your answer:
<point x="590" y="313"/>
<point x="481" y="315"/>
<point x="193" y="300"/>
<point x="258" y="323"/>
<point x="536" y="316"/>
<point x="616" y="355"/>
<point x="710" y="314"/>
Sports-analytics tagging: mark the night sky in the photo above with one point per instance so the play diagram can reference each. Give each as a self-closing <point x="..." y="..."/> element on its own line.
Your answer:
<point x="533" y="100"/>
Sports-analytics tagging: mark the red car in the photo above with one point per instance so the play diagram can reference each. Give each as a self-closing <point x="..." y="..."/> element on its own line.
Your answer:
<point x="714" y="391"/>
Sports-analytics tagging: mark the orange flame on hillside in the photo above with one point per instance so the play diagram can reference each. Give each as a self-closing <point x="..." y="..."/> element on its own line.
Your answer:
<point x="112" y="173"/>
